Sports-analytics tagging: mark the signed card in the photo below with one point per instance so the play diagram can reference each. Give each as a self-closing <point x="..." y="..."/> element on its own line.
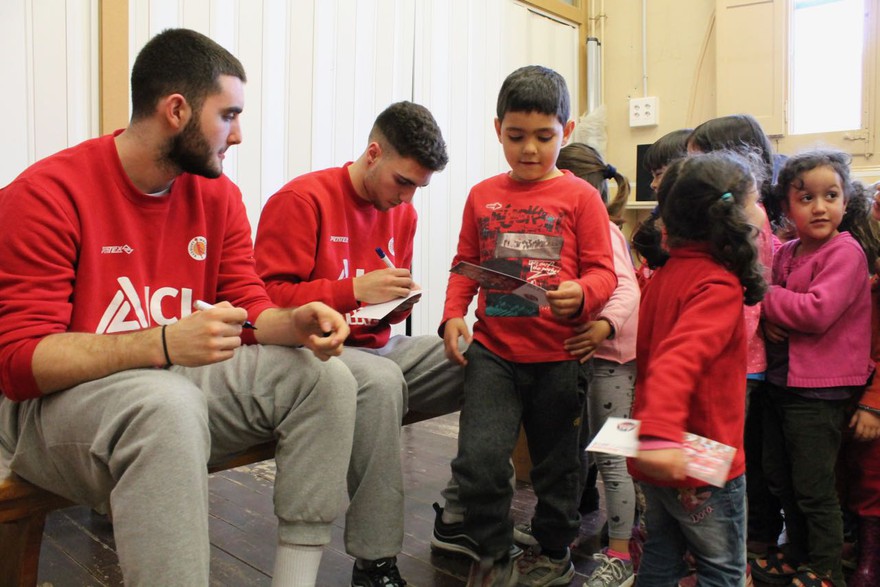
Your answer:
<point x="379" y="311"/>
<point x="707" y="460"/>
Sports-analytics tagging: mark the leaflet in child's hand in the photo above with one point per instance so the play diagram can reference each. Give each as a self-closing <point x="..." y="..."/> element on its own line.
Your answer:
<point x="379" y="311"/>
<point x="491" y="279"/>
<point x="707" y="460"/>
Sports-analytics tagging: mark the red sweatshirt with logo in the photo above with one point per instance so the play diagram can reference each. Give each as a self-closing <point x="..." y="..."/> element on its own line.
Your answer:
<point x="316" y="235"/>
<point x="83" y="250"/>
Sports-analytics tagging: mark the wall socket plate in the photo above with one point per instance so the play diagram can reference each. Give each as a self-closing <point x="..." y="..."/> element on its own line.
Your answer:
<point x="644" y="111"/>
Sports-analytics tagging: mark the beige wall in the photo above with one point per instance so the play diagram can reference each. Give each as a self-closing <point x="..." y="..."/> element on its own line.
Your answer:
<point x="682" y="72"/>
<point x="680" y="65"/>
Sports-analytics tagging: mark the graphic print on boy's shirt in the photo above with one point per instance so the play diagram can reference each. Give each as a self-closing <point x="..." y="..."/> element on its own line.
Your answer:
<point x="509" y="244"/>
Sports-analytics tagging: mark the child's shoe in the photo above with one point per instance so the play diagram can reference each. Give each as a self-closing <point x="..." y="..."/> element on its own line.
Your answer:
<point x="522" y="534"/>
<point x="490" y="573"/>
<point x="611" y="572"/>
<point x="539" y="570"/>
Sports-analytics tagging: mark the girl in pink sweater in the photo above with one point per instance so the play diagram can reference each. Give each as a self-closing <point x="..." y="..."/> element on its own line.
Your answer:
<point x="818" y="354"/>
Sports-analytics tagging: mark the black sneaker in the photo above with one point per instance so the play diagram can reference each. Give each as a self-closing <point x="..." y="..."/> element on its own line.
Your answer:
<point x="379" y="572"/>
<point x="451" y="539"/>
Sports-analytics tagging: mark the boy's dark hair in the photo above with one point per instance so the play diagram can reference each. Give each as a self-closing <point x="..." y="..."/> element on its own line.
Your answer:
<point x="856" y="219"/>
<point x="534" y="88"/>
<point x="585" y="162"/>
<point x="666" y="149"/>
<point x="179" y="61"/>
<point x="412" y="132"/>
<point x="701" y="199"/>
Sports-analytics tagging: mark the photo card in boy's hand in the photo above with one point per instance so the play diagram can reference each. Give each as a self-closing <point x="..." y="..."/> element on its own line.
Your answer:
<point x="491" y="279"/>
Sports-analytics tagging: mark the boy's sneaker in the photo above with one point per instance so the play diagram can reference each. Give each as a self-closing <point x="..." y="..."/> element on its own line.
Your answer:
<point x="489" y="573"/>
<point x="378" y="573"/>
<point x="539" y="570"/>
<point x="611" y="572"/>
<point x="451" y="538"/>
<point x="522" y="534"/>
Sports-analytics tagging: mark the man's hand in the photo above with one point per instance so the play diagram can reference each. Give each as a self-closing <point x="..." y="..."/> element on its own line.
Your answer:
<point x="567" y="300"/>
<point x="382" y="285"/>
<point x="205" y="337"/>
<point x="320" y="328"/>
<point x="588" y="338"/>
<point x="665" y="464"/>
<point x="452" y="330"/>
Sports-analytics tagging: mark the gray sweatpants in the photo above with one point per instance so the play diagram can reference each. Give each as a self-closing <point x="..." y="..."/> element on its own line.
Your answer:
<point x="409" y="373"/>
<point x="140" y="440"/>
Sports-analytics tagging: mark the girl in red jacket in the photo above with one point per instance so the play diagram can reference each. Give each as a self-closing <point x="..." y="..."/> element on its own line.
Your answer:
<point x="691" y="365"/>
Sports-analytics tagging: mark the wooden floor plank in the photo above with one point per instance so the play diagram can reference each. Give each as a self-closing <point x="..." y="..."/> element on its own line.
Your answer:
<point x="78" y="549"/>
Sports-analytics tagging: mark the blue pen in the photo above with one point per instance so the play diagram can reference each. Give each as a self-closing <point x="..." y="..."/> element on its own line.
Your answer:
<point x="384" y="258"/>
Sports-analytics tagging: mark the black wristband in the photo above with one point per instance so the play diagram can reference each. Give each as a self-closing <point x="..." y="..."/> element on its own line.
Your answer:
<point x="168" y="362"/>
<point x="874" y="411"/>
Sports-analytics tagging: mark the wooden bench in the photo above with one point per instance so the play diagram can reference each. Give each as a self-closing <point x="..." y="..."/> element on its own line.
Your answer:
<point x="24" y="506"/>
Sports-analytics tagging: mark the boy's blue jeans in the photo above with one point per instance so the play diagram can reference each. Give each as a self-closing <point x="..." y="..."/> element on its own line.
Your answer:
<point x="710" y="522"/>
<point x="548" y="399"/>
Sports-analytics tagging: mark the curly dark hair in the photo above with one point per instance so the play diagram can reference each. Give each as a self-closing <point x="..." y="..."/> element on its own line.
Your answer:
<point x="857" y="218"/>
<point x="534" y="88"/>
<point x="412" y="132"/>
<point x="179" y="61"/>
<point x="701" y="200"/>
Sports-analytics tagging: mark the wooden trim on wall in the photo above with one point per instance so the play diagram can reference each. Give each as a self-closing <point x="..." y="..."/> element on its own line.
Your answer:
<point x="578" y="14"/>
<point x="114" y="101"/>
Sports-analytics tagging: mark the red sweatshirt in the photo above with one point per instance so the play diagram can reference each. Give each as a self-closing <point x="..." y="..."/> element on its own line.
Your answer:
<point x="316" y="235"/>
<point x="543" y="232"/>
<point x="84" y="251"/>
<point x="691" y="356"/>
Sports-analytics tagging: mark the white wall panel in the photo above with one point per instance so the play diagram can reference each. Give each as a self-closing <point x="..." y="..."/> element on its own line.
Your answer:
<point x="17" y="147"/>
<point x="463" y="52"/>
<point x="50" y="51"/>
<point x="299" y="112"/>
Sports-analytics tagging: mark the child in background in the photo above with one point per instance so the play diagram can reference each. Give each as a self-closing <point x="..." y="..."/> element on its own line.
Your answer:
<point x="863" y="455"/>
<point x="647" y="238"/>
<point x="691" y="357"/>
<point x="551" y="229"/>
<point x="743" y="134"/>
<point x="818" y="339"/>
<point x="610" y="341"/>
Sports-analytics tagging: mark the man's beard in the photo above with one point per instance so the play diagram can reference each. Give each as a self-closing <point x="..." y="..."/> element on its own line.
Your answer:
<point x="191" y="153"/>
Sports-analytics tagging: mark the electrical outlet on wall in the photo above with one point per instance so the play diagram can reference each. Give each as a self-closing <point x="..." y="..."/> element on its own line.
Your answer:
<point x="644" y="111"/>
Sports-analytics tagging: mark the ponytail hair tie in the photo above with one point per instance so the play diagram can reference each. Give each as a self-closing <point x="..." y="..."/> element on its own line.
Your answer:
<point x="609" y="172"/>
<point x="726" y="197"/>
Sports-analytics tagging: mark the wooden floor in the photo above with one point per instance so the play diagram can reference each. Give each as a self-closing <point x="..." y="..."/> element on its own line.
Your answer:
<point x="78" y="548"/>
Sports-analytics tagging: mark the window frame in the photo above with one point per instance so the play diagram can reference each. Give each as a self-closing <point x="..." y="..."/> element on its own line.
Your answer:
<point x="857" y="142"/>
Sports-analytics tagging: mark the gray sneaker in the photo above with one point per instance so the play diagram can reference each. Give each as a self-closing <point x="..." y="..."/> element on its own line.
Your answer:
<point x="611" y="572"/>
<point x="539" y="570"/>
<point x="489" y="573"/>
<point x="522" y="534"/>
